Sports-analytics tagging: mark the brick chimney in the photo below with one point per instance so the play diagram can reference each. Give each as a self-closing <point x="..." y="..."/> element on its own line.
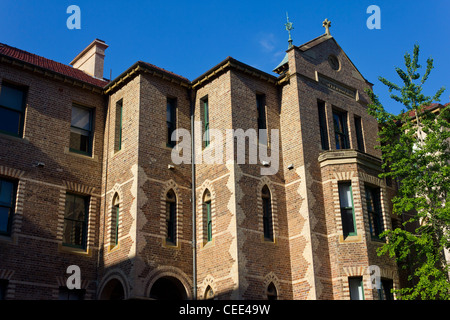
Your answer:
<point x="91" y="59"/>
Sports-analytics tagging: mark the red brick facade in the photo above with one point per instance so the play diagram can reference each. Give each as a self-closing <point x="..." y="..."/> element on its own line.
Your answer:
<point x="128" y="253"/>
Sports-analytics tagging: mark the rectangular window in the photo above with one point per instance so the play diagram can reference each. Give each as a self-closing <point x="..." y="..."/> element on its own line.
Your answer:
<point x="347" y="210"/>
<point x="359" y="133"/>
<point x="7" y="204"/>
<point x="171" y="116"/>
<point x="12" y="109"/>
<point x="118" y="127"/>
<point x="323" y="125"/>
<point x="262" y="121"/>
<point x="356" y="288"/>
<point x="384" y="292"/>
<point x="76" y="221"/>
<point x="341" y="130"/>
<point x="81" y="130"/>
<point x="374" y="211"/>
<point x="204" y="102"/>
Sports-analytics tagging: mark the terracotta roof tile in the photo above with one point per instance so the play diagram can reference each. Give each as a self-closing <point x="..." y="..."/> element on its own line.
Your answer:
<point x="51" y="65"/>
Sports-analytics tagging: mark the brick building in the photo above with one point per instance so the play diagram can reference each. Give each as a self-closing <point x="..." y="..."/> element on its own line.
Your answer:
<point x="88" y="179"/>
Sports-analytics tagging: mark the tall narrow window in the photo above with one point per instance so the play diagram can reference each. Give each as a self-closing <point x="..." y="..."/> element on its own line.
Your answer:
<point x="359" y="134"/>
<point x="115" y="221"/>
<point x="272" y="293"/>
<point x="75" y="221"/>
<point x="7" y="204"/>
<point x="323" y="125"/>
<point x="206" y="137"/>
<point x="347" y="210"/>
<point x="262" y="121"/>
<point x="385" y="292"/>
<point x="119" y="121"/>
<point x="267" y="214"/>
<point x="207" y="215"/>
<point x="374" y="211"/>
<point x="171" y="217"/>
<point x="356" y="288"/>
<point x="81" y="130"/>
<point x="171" y="120"/>
<point x="12" y="109"/>
<point x="341" y="130"/>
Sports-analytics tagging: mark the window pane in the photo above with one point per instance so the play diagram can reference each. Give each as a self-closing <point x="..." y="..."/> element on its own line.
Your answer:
<point x="79" y="140"/>
<point x="6" y="192"/>
<point x="348" y="225"/>
<point x="11" y="97"/>
<point x="4" y="219"/>
<point x="345" y="195"/>
<point x="10" y="121"/>
<point x="81" y="118"/>
<point x="356" y="289"/>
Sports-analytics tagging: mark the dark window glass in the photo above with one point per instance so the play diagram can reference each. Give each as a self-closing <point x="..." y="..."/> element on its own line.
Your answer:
<point x="171" y="216"/>
<point x="75" y="221"/>
<point x="374" y="211"/>
<point x="340" y="130"/>
<point x="323" y="126"/>
<point x="171" y="120"/>
<point x="3" y="287"/>
<point x="262" y="121"/>
<point x="359" y="134"/>
<point x="385" y="291"/>
<point x="356" y="288"/>
<point x="118" y="133"/>
<point x="12" y="105"/>
<point x="267" y="213"/>
<point x="347" y="211"/>
<point x="207" y="215"/>
<point x="81" y="130"/>
<point x="206" y="121"/>
<point x="71" y="294"/>
<point x="7" y="204"/>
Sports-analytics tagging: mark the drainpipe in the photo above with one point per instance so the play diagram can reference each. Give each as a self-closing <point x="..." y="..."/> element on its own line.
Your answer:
<point x="192" y="96"/>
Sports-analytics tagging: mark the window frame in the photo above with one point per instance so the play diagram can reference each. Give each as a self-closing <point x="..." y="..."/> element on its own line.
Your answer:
<point x="91" y="130"/>
<point x="342" y="119"/>
<point x="24" y="90"/>
<point x="172" y="124"/>
<point x="267" y="214"/>
<point x="85" y="221"/>
<point x="323" y="125"/>
<point x="116" y="213"/>
<point x="207" y="207"/>
<point x="376" y="214"/>
<point x="361" y="283"/>
<point x="11" y="206"/>
<point x="205" y="117"/>
<point x="359" y="134"/>
<point x="119" y="126"/>
<point x="171" y="218"/>
<point x="341" y="208"/>
<point x="261" y="108"/>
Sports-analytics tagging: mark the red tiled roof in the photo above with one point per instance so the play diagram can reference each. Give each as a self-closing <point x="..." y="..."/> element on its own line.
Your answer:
<point x="51" y="65"/>
<point x="432" y="106"/>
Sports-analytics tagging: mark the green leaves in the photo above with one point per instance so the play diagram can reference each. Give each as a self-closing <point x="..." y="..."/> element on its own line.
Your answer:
<point x="415" y="149"/>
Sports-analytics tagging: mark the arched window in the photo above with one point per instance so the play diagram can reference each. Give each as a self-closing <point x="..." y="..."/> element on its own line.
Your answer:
<point x="272" y="293"/>
<point x="171" y="217"/>
<point x="209" y="293"/>
<point x="207" y="230"/>
<point x="115" y="221"/>
<point x="267" y="213"/>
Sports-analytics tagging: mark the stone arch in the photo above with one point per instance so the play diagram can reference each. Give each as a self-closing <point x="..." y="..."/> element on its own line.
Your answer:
<point x="208" y="282"/>
<point x="114" y="286"/>
<point x="173" y="277"/>
<point x="271" y="279"/>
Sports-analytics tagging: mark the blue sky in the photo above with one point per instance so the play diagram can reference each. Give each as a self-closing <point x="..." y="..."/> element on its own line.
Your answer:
<point x="190" y="37"/>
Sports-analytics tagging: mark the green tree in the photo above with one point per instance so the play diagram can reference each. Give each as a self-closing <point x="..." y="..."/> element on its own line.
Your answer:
<point x="415" y="149"/>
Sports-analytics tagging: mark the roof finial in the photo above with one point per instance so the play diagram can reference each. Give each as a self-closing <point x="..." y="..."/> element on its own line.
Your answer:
<point x="289" y="27"/>
<point x="327" y="25"/>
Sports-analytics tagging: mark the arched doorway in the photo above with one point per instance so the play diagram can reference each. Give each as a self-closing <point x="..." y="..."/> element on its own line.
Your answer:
<point x="113" y="290"/>
<point x="168" y="288"/>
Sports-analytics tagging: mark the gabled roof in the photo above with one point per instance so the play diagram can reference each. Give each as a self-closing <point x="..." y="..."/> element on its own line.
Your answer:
<point x="30" y="59"/>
